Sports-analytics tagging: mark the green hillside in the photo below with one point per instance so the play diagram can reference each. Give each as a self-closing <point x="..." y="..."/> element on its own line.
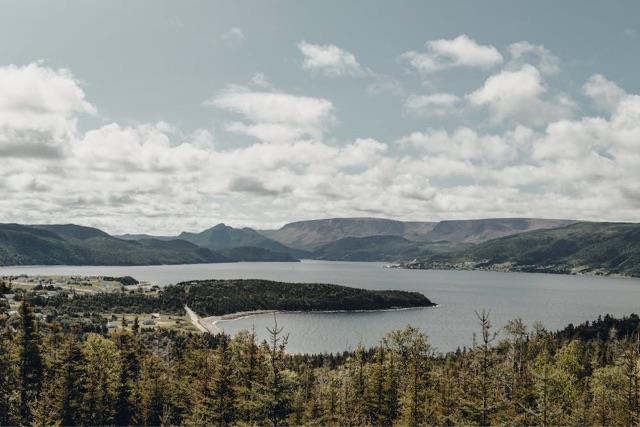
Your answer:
<point x="380" y="248"/>
<point x="75" y="245"/>
<point x="599" y="248"/>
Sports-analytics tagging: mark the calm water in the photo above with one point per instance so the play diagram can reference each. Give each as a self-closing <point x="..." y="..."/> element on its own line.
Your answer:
<point x="553" y="299"/>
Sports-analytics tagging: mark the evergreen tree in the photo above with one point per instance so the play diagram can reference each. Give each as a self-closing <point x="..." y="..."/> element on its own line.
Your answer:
<point x="7" y="381"/>
<point x="29" y="361"/>
<point x="276" y="389"/>
<point x="152" y="384"/>
<point x="101" y="375"/>
<point x="414" y="410"/>
<point x="129" y="348"/>
<point x="248" y="373"/>
<point x="71" y="382"/>
<point x="223" y="390"/>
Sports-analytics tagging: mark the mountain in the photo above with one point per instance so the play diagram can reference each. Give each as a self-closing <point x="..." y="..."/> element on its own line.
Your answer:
<point x="222" y="237"/>
<point x="312" y="234"/>
<point x="315" y="233"/>
<point x="481" y="230"/>
<point x="598" y="248"/>
<point x="75" y="245"/>
<point x="381" y="248"/>
<point x="71" y="231"/>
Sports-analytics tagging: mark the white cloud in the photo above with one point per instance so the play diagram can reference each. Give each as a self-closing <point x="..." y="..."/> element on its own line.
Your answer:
<point x="437" y="104"/>
<point x="631" y="33"/>
<point x="465" y="144"/>
<point x="329" y="60"/>
<point x="518" y="95"/>
<point x="153" y="178"/>
<point x="462" y="51"/>
<point x="275" y="114"/>
<point x="38" y="108"/>
<point x="605" y="94"/>
<point x="522" y="52"/>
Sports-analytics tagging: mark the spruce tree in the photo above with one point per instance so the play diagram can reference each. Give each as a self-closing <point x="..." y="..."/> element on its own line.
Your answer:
<point x="29" y="361"/>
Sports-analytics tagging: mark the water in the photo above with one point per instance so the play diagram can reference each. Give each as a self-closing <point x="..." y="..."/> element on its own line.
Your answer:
<point x="555" y="300"/>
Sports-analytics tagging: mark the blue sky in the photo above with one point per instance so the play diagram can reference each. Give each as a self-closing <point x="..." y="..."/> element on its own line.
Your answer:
<point x="160" y="116"/>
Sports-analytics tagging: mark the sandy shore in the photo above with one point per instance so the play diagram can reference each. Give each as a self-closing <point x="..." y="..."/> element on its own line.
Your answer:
<point x="210" y="324"/>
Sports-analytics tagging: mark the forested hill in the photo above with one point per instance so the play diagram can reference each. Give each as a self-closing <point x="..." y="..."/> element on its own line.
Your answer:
<point x="597" y="248"/>
<point x="381" y="248"/>
<point x="69" y="244"/>
<point x="75" y="245"/>
<point x="218" y="297"/>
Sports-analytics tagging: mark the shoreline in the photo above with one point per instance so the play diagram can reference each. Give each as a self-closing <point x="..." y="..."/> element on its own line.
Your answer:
<point x="210" y="323"/>
<point x="505" y="270"/>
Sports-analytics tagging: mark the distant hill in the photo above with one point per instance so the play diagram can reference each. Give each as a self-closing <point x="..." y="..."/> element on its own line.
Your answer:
<point x="76" y="245"/>
<point x="223" y="236"/>
<point x="311" y="235"/>
<point x="481" y="230"/>
<point x="381" y="248"/>
<point x="598" y="248"/>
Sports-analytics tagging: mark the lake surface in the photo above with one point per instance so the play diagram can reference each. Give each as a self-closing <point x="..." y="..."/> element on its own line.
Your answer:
<point x="556" y="300"/>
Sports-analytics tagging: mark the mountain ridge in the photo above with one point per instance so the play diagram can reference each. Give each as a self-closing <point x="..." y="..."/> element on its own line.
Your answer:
<point x="312" y="234"/>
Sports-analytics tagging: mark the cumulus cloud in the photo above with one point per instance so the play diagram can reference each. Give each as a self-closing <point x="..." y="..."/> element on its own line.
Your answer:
<point x="461" y="51"/>
<point x="525" y="52"/>
<point x="329" y="60"/>
<point x="275" y="116"/>
<point x="151" y="177"/>
<point x="605" y="94"/>
<point x="437" y="104"/>
<point x="38" y="108"/>
<point x="519" y="95"/>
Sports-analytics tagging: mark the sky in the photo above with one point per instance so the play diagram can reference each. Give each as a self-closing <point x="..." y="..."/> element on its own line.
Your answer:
<point x="160" y="117"/>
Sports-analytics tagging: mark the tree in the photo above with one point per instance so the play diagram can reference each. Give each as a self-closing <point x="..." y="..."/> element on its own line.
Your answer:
<point x="223" y="390"/>
<point x="129" y="348"/>
<point x="29" y="361"/>
<point x="276" y="390"/>
<point x="7" y="382"/>
<point x="153" y="383"/>
<point x="376" y="390"/>
<point x="482" y="393"/>
<point x="72" y="386"/>
<point x="630" y="364"/>
<point x="447" y="394"/>
<point x="248" y="373"/>
<point x="101" y="375"/>
<point x="608" y="391"/>
<point x="413" y="409"/>
<point x="203" y="401"/>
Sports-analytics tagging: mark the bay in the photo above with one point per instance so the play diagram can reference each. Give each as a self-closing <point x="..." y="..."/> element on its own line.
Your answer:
<point x="555" y="300"/>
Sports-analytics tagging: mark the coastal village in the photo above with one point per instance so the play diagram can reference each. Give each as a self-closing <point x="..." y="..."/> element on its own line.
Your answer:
<point x="39" y="288"/>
